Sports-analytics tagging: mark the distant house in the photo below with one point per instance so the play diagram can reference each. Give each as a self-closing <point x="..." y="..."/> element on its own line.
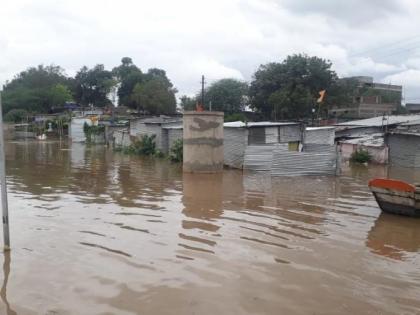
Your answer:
<point x="413" y="108"/>
<point x="370" y="100"/>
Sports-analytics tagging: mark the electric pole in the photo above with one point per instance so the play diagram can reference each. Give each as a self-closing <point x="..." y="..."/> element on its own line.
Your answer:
<point x="4" y="204"/>
<point x="202" y="91"/>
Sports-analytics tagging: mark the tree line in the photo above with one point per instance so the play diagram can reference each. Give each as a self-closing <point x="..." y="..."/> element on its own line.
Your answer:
<point x="278" y="90"/>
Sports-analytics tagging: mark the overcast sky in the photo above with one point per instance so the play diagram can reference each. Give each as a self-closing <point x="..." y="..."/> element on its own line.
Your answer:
<point x="217" y="38"/>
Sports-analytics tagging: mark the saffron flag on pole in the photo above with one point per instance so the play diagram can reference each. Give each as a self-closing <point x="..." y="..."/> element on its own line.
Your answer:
<point x="321" y="96"/>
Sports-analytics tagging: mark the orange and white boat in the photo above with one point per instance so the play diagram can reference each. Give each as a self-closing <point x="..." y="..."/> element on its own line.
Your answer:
<point x="395" y="196"/>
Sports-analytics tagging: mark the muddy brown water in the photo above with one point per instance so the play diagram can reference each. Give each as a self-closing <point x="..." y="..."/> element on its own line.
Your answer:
<point x="98" y="232"/>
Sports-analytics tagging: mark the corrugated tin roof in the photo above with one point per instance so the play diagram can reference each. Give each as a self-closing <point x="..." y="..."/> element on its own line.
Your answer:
<point x="372" y="140"/>
<point x="380" y="120"/>
<point x="319" y="128"/>
<point x="241" y="124"/>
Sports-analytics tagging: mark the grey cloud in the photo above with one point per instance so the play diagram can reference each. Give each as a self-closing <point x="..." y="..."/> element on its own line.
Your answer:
<point x="354" y="12"/>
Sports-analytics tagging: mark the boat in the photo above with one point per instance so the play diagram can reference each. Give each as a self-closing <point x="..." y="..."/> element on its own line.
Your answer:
<point x="397" y="197"/>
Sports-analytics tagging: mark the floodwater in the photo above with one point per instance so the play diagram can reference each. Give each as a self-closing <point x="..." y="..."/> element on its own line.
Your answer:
<point x="98" y="232"/>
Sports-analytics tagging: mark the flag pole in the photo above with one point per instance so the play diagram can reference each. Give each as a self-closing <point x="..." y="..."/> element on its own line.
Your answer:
<point x="4" y="204"/>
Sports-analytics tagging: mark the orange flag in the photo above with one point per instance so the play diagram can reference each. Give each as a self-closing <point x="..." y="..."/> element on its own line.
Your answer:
<point x="321" y="96"/>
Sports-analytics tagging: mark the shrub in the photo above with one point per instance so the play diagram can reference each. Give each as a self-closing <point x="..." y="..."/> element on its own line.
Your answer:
<point x="16" y="115"/>
<point x="176" y="152"/>
<point x="144" y="146"/>
<point x="235" y="117"/>
<point x="360" y="156"/>
<point x="92" y="130"/>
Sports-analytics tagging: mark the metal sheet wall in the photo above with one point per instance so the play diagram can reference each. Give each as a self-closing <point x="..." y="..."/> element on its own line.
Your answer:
<point x="291" y="133"/>
<point x="404" y="150"/>
<point x="316" y="160"/>
<point x="320" y="136"/>
<point x="234" y="145"/>
<point x="279" y="161"/>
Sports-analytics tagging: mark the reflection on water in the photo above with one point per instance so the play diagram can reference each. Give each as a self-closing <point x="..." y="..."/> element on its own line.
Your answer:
<point x="97" y="232"/>
<point x="3" y="291"/>
<point x="395" y="236"/>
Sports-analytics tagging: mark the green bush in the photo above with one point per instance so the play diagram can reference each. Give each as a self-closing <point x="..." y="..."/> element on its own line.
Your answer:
<point x="16" y="115"/>
<point x="176" y="152"/>
<point x="92" y="130"/>
<point x="235" y="117"/>
<point x="360" y="156"/>
<point x="145" y="146"/>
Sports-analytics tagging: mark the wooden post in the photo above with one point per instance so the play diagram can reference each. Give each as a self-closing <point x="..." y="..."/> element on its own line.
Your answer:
<point x="4" y="204"/>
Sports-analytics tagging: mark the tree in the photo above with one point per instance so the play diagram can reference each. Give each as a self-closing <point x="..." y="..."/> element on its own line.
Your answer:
<point x="228" y="95"/>
<point x="31" y="89"/>
<point x="59" y="95"/>
<point x="93" y="85"/>
<point x="188" y="103"/>
<point x="155" y="97"/>
<point x="289" y="89"/>
<point x="128" y="75"/>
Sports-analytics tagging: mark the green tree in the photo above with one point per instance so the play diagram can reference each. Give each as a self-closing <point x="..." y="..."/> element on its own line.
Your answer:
<point x="188" y="103"/>
<point x="288" y="90"/>
<point x="155" y="97"/>
<point x="93" y="86"/>
<point x="31" y="89"/>
<point x="59" y="94"/>
<point x="127" y="75"/>
<point x="228" y="95"/>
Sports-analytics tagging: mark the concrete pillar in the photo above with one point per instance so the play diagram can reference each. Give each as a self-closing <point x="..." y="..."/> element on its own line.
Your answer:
<point x="203" y="142"/>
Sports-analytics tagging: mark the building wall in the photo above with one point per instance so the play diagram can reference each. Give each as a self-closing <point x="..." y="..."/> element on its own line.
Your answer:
<point x="379" y="154"/>
<point x="139" y="129"/>
<point x="234" y="145"/>
<point x="203" y="142"/>
<point x="121" y="138"/>
<point x="404" y="150"/>
<point x="173" y="135"/>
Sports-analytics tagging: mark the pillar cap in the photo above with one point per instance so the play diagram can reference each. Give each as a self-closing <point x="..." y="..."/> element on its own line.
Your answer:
<point x="205" y="113"/>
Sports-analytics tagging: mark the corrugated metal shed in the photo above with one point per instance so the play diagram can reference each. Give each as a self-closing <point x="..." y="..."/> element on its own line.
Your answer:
<point x="258" y="157"/>
<point x="321" y="160"/>
<point x="234" y="145"/>
<point x="279" y="161"/>
<point x="319" y="135"/>
<point x="404" y="149"/>
<point x="174" y="134"/>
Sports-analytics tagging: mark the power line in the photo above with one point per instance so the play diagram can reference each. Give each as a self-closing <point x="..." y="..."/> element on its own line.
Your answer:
<point x="384" y="46"/>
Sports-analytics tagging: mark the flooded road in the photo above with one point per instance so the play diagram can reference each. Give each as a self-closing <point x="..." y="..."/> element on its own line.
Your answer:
<point x="98" y="232"/>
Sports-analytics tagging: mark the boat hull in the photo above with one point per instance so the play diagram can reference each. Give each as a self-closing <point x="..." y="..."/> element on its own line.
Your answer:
<point x="396" y="208"/>
<point x="396" y="197"/>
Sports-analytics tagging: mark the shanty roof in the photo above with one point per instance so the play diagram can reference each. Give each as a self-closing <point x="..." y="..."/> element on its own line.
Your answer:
<point x="319" y="128"/>
<point x="381" y="121"/>
<point x="411" y="123"/>
<point x="372" y="140"/>
<point x="241" y="124"/>
<point x="159" y="120"/>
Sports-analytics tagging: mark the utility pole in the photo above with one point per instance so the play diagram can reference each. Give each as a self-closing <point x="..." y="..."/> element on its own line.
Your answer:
<point x="4" y="204"/>
<point x="202" y="90"/>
